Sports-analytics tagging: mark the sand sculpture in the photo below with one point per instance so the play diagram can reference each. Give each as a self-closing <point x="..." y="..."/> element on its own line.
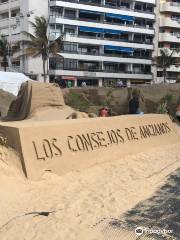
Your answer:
<point x="68" y="145"/>
<point x="41" y="101"/>
<point x="82" y="204"/>
<point x="38" y="131"/>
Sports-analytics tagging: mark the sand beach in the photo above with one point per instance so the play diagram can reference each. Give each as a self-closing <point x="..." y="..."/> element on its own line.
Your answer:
<point x="106" y="200"/>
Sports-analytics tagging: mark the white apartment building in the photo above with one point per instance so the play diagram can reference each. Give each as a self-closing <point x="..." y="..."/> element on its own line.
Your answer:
<point x="105" y="41"/>
<point x="169" y="35"/>
<point x="14" y="19"/>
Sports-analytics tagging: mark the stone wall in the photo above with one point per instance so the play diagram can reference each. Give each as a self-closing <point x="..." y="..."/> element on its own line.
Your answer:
<point x="92" y="99"/>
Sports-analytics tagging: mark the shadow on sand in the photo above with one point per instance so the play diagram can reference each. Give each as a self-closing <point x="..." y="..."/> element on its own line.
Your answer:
<point x="162" y="211"/>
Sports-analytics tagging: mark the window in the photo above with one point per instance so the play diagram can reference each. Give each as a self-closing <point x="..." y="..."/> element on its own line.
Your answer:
<point x="160" y="45"/>
<point x="70" y="14"/>
<point x="69" y="31"/>
<point x="56" y="12"/>
<point x="174" y="46"/>
<point x="70" y="64"/>
<point x="159" y="74"/>
<point x="15" y="12"/>
<point x="70" y="47"/>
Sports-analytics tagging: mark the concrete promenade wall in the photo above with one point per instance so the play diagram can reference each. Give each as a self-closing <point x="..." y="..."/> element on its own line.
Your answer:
<point x="119" y="97"/>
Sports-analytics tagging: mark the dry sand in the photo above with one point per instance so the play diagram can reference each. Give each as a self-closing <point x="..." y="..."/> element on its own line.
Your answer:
<point x="77" y="201"/>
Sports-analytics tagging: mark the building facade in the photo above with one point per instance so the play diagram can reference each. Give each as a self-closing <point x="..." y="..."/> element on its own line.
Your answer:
<point x="104" y="41"/>
<point x="169" y="36"/>
<point x="14" y="19"/>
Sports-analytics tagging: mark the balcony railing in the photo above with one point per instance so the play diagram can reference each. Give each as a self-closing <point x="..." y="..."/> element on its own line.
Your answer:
<point x="174" y="4"/>
<point x="109" y="6"/>
<point x="53" y="17"/>
<point x="11" y="69"/>
<point x="140" y="41"/>
<point x="86" y="69"/>
<point x="107" y="55"/>
<point x="6" y="2"/>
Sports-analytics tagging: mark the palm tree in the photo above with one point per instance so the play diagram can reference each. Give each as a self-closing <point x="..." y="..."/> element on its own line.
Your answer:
<point x="165" y="60"/>
<point x="4" y="50"/>
<point x="39" y="44"/>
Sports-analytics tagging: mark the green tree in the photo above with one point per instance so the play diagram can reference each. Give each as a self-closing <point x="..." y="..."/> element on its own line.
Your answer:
<point x="38" y="43"/>
<point x="165" y="60"/>
<point x="4" y="50"/>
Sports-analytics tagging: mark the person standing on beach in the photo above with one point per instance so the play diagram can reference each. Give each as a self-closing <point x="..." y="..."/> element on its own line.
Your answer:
<point x="178" y="113"/>
<point x="134" y="105"/>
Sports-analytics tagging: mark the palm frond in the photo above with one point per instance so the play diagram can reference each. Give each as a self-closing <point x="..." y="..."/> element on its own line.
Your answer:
<point x="38" y="44"/>
<point x="166" y="58"/>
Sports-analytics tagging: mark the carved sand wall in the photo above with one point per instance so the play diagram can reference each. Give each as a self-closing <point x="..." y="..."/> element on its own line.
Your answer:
<point x="71" y="145"/>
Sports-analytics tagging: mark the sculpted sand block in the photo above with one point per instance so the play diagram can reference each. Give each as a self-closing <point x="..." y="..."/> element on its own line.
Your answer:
<point x="62" y="146"/>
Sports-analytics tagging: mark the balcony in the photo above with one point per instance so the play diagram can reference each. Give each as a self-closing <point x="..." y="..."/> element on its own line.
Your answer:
<point x="110" y="4"/>
<point x="168" y="79"/>
<point x="108" y="41"/>
<point x="167" y="37"/>
<point x="170" y="7"/>
<point x="174" y="68"/>
<point x="107" y="58"/>
<point x="103" y="40"/>
<point x="5" y="6"/>
<point x="127" y="25"/>
<point x="104" y="25"/>
<point x="175" y="54"/>
<point x="103" y="8"/>
<point x="11" y="69"/>
<point x="4" y="23"/>
<point x="101" y="74"/>
<point x="168" y="22"/>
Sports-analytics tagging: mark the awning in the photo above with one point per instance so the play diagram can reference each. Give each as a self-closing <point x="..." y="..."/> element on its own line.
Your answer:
<point x="90" y="12"/>
<point x="71" y="78"/>
<point x="118" y="16"/>
<point x="112" y="31"/>
<point x="91" y="29"/>
<point x="118" y="48"/>
<point x="100" y="30"/>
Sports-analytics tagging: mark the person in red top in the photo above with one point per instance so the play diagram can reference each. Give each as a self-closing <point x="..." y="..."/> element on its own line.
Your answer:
<point x="103" y="112"/>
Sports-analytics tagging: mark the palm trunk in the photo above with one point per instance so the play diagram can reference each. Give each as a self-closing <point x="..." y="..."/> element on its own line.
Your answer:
<point x="5" y="63"/>
<point x="44" y="69"/>
<point x="5" y="67"/>
<point x="164" y="75"/>
<point x="47" y="70"/>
